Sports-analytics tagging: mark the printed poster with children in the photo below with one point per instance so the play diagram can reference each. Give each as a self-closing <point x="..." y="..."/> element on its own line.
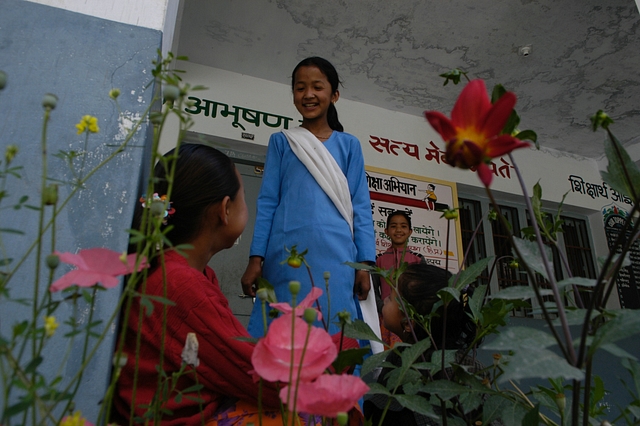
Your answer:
<point x="423" y="199"/>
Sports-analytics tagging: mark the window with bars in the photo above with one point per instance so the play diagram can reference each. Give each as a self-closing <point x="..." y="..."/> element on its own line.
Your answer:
<point x="494" y="241"/>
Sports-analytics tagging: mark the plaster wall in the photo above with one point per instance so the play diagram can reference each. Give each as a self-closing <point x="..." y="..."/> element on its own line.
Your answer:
<point x="79" y="58"/>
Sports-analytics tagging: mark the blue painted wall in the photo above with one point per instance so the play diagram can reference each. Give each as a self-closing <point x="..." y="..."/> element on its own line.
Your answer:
<point x="79" y="58"/>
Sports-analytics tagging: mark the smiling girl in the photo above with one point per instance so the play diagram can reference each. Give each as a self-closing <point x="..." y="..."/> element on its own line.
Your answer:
<point x="314" y="195"/>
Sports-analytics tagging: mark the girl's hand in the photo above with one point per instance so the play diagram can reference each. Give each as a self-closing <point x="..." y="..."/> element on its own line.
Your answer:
<point x="251" y="275"/>
<point x="362" y="284"/>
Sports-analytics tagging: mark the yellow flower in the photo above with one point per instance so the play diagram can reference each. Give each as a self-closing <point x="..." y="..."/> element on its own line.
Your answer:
<point x="88" y="123"/>
<point x="50" y="325"/>
<point x="74" y="420"/>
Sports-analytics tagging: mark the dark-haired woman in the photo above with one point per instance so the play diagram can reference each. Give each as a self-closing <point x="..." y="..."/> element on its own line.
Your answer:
<point x="209" y="213"/>
<point x="314" y="196"/>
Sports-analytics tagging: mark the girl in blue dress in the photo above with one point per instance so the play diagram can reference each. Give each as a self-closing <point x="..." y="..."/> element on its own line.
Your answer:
<point x="314" y="196"/>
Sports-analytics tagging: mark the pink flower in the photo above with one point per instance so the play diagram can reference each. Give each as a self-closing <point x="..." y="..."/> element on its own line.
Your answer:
<point x="271" y="357"/>
<point x="473" y="134"/>
<point x="96" y="265"/>
<point x="307" y="302"/>
<point x="328" y="395"/>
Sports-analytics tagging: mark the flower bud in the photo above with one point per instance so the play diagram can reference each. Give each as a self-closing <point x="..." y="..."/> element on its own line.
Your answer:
<point x="10" y="153"/>
<point x="450" y="214"/>
<point x="342" y="419"/>
<point x="561" y="401"/>
<point x="262" y="294"/>
<point x="155" y="117"/>
<point x="326" y="275"/>
<point x="294" y="287"/>
<point x="496" y="359"/>
<point x="158" y="208"/>
<point x="3" y="79"/>
<point x="171" y="92"/>
<point x="50" y="195"/>
<point x="119" y="362"/>
<point x="52" y="261"/>
<point x="514" y="264"/>
<point x="492" y="215"/>
<point x="49" y="101"/>
<point x="114" y="93"/>
<point x="309" y="315"/>
<point x="344" y="317"/>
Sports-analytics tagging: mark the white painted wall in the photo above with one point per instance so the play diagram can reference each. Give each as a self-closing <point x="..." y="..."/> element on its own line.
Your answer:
<point x="159" y="15"/>
<point x="551" y="168"/>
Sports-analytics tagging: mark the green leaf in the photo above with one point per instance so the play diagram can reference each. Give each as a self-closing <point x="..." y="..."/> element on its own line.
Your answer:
<point x="471" y="273"/>
<point x="538" y="363"/>
<point x="445" y="389"/>
<point x="493" y="407"/>
<point x="583" y="282"/>
<point x="476" y="301"/>
<point x="509" y="412"/>
<point x="529" y="135"/>
<point x="358" y="266"/>
<point x="519" y="292"/>
<point x="622" y="173"/>
<point x="146" y="305"/>
<point x="625" y="323"/>
<point x="349" y="358"/>
<point x="532" y="418"/>
<point x="11" y="231"/>
<point x="574" y="317"/>
<point x="530" y="253"/>
<point x="18" y="407"/>
<point x="447" y="294"/>
<point x="416" y="404"/>
<point x="377" y="389"/>
<point x="360" y="330"/>
<point x="616" y="350"/>
<point x="373" y="362"/>
<point x="33" y="365"/>
<point x="523" y="338"/>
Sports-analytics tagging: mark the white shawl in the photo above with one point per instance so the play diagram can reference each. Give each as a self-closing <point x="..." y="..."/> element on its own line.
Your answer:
<point x="324" y="169"/>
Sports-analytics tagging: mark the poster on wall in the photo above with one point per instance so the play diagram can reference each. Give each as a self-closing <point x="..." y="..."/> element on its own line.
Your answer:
<point x="628" y="278"/>
<point x="423" y="199"/>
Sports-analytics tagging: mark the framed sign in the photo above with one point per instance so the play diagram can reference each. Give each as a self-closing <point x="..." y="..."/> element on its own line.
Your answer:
<point x="423" y="199"/>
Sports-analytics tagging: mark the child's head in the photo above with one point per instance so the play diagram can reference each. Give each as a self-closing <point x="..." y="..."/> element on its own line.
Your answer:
<point x="203" y="176"/>
<point x="398" y="228"/>
<point x="317" y="80"/>
<point x="419" y="285"/>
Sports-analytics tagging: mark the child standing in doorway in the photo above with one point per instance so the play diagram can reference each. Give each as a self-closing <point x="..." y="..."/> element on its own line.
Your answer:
<point x="398" y="230"/>
<point x="314" y="196"/>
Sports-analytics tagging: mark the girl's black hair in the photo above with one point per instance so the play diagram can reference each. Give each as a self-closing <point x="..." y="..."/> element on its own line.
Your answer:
<point x="419" y="285"/>
<point x="332" y="76"/>
<point x="203" y="176"/>
<point x="399" y="213"/>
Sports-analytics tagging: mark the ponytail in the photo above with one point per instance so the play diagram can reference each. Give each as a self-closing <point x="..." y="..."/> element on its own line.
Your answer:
<point x="332" y="118"/>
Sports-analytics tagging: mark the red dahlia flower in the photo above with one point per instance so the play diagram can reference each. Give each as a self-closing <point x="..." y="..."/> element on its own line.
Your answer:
<point x="473" y="134"/>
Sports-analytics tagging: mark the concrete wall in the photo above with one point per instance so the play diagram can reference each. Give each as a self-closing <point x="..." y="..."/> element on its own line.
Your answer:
<point x="79" y="58"/>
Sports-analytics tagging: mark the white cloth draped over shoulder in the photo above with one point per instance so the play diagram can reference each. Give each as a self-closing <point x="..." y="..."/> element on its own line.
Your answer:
<point x="324" y="169"/>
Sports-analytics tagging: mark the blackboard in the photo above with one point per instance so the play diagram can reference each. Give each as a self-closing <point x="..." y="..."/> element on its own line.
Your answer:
<point x="627" y="280"/>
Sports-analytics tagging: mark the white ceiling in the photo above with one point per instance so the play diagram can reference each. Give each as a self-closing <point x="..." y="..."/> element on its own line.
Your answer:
<point x="585" y="54"/>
